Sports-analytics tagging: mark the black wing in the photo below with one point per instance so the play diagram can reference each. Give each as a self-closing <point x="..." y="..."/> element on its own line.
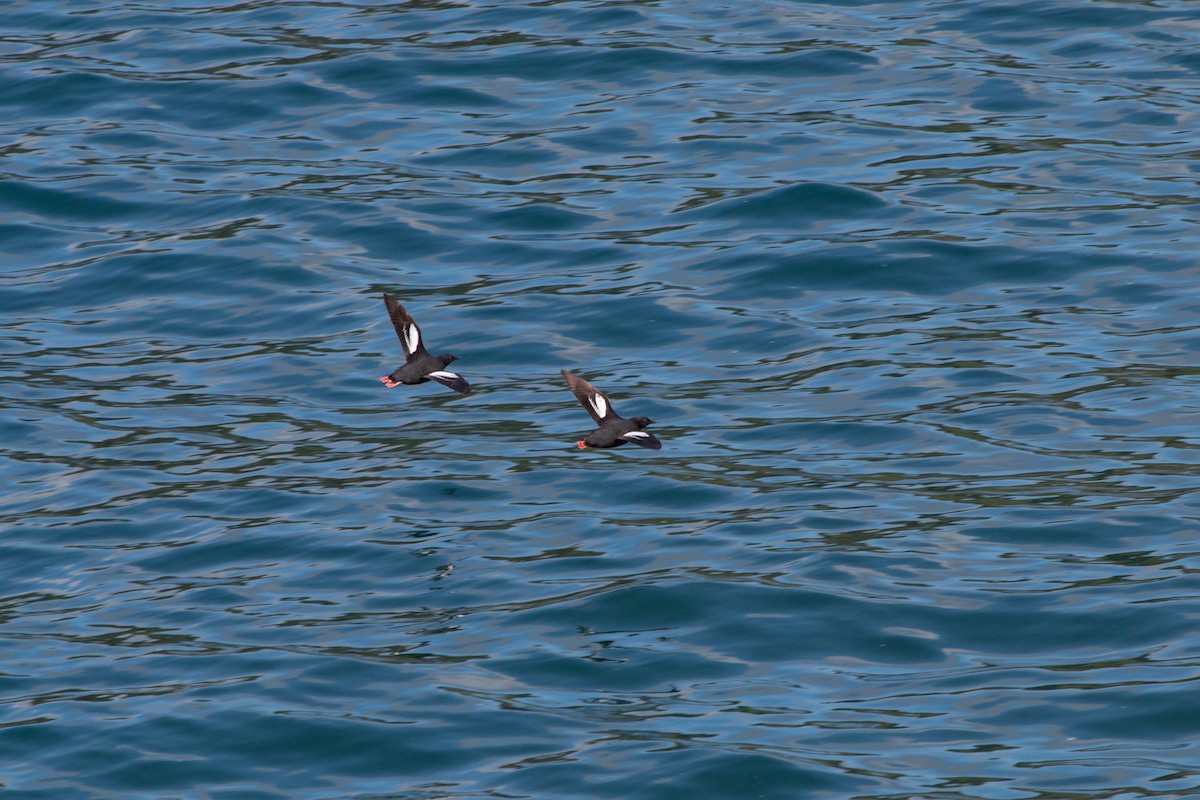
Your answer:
<point x="594" y="401"/>
<point x="643" y="438"/>
<point x="406" y="328"/>
<point x="451" y="379"/>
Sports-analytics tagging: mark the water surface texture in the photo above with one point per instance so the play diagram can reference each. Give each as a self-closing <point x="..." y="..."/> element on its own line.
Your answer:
<point x="910" y="288"/>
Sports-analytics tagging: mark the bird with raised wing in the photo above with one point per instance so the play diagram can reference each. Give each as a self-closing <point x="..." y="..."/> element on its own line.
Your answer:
<point x="614" y="430"/>
<point x="419" y="365"/>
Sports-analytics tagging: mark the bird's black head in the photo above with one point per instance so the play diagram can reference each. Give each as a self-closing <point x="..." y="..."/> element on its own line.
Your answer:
<point x="446" y="359"/>
<point x="641" y="422"/>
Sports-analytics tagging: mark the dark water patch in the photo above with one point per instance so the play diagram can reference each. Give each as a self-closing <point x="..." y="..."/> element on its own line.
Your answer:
<point x="919" y="267"/>
<point x="48" y="202"/>
<point x="539" y="217"/>
<point x="797" y="205"/>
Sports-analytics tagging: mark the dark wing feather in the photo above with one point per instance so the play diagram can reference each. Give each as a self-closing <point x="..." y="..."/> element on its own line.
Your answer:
<point x="642" y="438"/>
<point x="452" y="380"/>
<point x="590" y="397"/>
<point x="406" y="328"/>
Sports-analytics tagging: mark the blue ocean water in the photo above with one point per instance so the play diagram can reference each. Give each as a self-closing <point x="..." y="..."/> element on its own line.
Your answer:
<point x="910" y="289"/>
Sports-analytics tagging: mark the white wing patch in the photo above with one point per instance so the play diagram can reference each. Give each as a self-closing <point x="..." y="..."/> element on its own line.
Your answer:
<point x="635" y="435"/>
<point x="599" y="405"/>
<point x="412" y="337"/>
<point x="441" y="373"/>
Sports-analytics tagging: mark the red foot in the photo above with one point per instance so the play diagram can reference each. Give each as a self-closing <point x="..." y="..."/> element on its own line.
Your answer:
<point x="388" y="382"/>
<point x="581" y="445"/>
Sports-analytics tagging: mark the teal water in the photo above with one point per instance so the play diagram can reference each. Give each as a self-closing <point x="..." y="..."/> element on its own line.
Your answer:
<point x="909" y="287"/>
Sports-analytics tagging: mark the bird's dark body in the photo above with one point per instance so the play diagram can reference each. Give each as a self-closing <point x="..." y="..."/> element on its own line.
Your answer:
<point x="417" y="370"/>
<point x="608" y="434"/>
